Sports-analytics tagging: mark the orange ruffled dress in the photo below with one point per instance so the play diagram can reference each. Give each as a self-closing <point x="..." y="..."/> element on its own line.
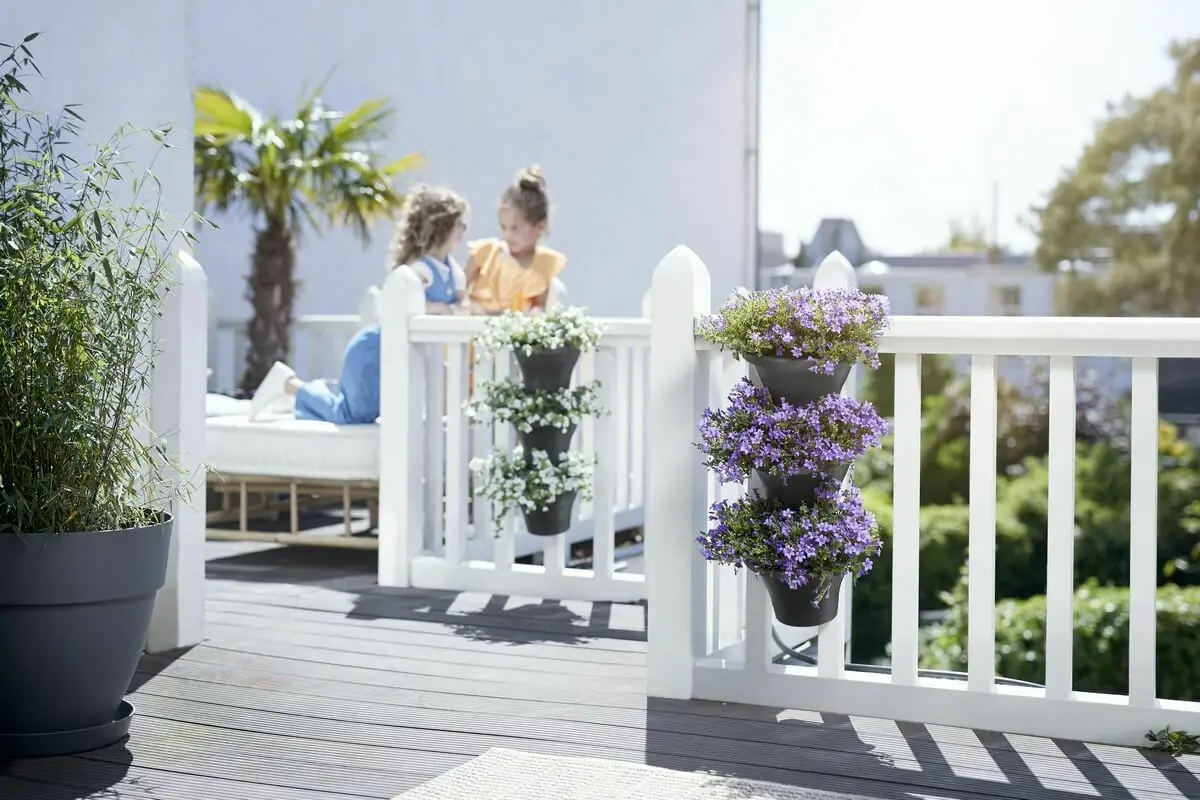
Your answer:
<point x="505" y="285"/>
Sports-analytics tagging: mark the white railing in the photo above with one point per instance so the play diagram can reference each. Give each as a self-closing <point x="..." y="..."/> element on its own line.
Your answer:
<point x="318" y="342"/>
<point x="431" y="533"/>
<point x="709" y="632"/>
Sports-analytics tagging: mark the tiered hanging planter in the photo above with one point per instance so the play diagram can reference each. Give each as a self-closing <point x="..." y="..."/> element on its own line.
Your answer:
<point x="541" y="477"/>
<point x="788" y="431"/>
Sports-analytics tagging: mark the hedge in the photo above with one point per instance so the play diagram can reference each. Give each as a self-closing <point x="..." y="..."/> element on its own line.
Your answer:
<point x="1101" y="544"/>
<point x="1101" y="655"/>
<point x="944" y="531"/>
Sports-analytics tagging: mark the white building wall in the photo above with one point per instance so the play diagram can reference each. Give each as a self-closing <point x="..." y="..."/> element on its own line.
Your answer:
<point x="966" y="292"/>
<point x="128" y="67"/>
<point x="635" y="110"/>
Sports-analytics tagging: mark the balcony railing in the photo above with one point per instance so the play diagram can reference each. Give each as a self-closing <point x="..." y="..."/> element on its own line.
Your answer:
<point x="711" y="631"/>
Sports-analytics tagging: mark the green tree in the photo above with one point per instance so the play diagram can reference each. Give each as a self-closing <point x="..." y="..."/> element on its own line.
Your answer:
<point x="1134" y="196"/>
<point x="317" y="166"/>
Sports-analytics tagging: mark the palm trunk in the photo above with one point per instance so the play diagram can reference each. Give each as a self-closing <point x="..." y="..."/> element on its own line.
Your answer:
<point x="271" y="290"/>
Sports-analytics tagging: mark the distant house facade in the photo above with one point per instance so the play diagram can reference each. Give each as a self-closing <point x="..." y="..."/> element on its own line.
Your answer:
<point x="956" y="284"/>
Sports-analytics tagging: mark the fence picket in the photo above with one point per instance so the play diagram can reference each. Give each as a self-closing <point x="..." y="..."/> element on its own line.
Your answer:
<point x="906" y="519"/>
<point x="1060" y="555"/>
<point x="456" y="451"/>
<point x="981" y="538"/>
<point x="608" y="462"/>
<point x="1143" y="528"/>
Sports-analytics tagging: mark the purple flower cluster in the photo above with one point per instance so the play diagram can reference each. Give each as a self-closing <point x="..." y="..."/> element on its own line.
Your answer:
<point x="755" y="431"/>
<point x="828" y="326"/>
<point x="833" y="535"/>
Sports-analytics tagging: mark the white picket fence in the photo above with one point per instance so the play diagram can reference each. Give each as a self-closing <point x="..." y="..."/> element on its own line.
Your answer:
<point x="318" y="340"/>
<point x="709" y="632"/>
<point x="430" y="534"/>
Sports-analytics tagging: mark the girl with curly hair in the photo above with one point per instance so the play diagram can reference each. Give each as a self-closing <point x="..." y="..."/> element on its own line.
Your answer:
<point x="431" y="227"/>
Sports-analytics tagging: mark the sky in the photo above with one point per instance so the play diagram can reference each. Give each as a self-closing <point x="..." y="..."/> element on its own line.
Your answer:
<point x="902" y="114"/>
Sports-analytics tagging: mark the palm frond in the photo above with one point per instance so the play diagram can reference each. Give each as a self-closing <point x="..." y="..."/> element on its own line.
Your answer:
<point x="365" y="123"/>
<point x="224" y="116"/>
<point x="407" y="163"/>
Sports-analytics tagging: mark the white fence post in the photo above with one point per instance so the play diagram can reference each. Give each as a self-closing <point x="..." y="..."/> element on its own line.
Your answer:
<point x="833" y="642"/>
<point x="680" y="290"/>
<point x="177" y="413"/>
<point x="368" y="306"/>
<point x="213" y="341"/>
<point x="402" y="409"/>
<point x="558" y="296"/>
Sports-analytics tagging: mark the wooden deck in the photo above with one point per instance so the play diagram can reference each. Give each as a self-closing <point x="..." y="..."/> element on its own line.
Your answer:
<point x="315" y="685"/>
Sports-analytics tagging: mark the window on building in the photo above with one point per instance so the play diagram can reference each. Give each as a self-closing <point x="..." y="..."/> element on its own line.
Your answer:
<point x="1005" y="301"/>
<point x="929" y="299"/>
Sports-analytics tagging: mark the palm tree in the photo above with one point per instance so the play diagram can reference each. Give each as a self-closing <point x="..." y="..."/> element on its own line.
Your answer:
<point x="318" y="167"/>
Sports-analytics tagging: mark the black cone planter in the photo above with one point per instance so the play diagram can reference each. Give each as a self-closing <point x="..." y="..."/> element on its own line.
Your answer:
<point x="794" y="607"/>
<point x="792" y="379"/>
<point x="549" y="370"/>
<point x="554" y="519"/>
<point x="795" y="490"/>
<point x="74" y="611"/>
<point x="555" y="442"/>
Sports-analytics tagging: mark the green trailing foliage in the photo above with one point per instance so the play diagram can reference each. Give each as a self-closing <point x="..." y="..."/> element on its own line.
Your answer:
<point x="1177" y="743"/>
<point x="84" y="249"/>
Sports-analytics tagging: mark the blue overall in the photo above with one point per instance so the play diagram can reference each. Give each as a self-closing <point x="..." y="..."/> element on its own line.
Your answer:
<point x="355" y="401"/>
<point x="439" y="290"/>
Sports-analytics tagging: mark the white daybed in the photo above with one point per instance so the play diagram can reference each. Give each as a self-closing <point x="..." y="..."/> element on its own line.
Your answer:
<point x="304" y="459"/>
<point x="220" y="405"/>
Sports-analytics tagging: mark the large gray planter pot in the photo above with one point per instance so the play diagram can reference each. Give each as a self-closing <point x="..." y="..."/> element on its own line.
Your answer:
<point x="74" y="612"/>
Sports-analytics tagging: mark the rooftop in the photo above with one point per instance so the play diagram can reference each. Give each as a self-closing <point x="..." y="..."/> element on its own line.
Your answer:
<point x="313" y="683"/>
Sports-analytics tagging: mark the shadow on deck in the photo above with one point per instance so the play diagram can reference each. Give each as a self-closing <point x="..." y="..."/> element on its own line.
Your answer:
<point x="315" y="684"/>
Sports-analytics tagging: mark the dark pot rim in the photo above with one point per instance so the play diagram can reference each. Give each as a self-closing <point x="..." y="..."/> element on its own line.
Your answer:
<point x="566" y="349"/>
<point x="165" y="518"/>
<point x="558" y="498"/>
<point x="770" y="359"/>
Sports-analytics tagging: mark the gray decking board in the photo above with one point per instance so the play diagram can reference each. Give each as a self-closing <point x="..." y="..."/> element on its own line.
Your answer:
<point x="315" y="684"/>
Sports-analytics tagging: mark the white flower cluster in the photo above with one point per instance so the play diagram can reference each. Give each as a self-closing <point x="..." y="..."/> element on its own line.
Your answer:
<point x="508" y="402"/>
<point x="510" y="482"/>
<point x="525" y="333"/>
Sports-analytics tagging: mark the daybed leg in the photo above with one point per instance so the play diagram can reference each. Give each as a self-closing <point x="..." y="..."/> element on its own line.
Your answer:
<point x="294" y="503"/>
<point x="346" y="509"/>
<point x="243" y="522"/>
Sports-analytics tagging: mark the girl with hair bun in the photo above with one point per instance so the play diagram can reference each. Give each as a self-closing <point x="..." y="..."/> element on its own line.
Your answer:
<point x="514" y="272"/>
